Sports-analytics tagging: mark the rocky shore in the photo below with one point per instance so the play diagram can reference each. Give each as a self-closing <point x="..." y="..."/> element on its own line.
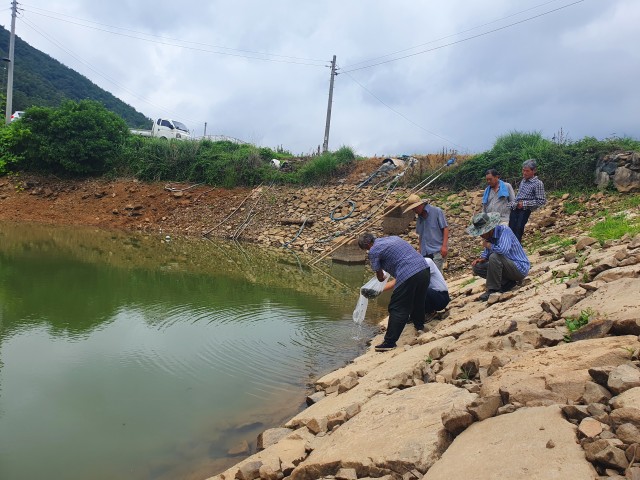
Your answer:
<point x="505" y="390"/>
<point x="541" y="382"/>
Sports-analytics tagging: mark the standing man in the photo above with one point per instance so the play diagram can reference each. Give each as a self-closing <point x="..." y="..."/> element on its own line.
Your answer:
<point x="497" y="196"/>
<point x="432" y="229"/>
<point x="530" y="196"/>
<point x="400" y="259"/>
<point x="503" y="261"/>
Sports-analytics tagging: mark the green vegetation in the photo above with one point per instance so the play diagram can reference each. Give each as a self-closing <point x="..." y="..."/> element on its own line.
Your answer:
<point x="561" y="165"/>
<point x="572" y="207"/>
<point x="612" y="227"/>
<point x="467" y="282"/>
<point x="40" y="80"/>
<point x="321" y="169"/>
<point x="78" y="137"/>
<point x="84" y="138"/>
<point x="575" y="323"/>
<point x="539" y="241"/>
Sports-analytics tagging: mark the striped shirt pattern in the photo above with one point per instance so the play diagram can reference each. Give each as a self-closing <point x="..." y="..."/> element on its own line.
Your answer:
<point x="530" y="193"/>
<point x="397" y="257"/>
<point x="504" y="242"/>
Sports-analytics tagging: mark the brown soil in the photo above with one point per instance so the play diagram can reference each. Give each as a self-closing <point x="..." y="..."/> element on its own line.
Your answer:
<point x="119" y="204"/>
<point x="267" y="215"/>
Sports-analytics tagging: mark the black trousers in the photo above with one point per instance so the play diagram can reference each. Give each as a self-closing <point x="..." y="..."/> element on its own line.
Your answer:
<point x="436" y="300"/>
<point x="518" y="218"/>
<point x="407" y="305"/>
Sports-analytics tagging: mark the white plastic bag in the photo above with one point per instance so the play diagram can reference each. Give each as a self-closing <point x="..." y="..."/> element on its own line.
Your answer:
<point x="374" y="287"/>
<point x="360" y="310"/>
<point x="371" y="289"/>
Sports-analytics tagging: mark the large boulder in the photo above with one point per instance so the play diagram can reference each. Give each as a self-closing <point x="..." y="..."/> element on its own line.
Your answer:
<point x="401" y="368"/>
<point x="392" y="435"/>
<point x="617" y="301"/>
<point x="558" y="374"/>
<point x="531" y="443"/>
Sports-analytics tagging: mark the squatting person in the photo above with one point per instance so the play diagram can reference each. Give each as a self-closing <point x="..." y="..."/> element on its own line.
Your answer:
<point x="503" y="261"/>
<point x="437" y="297"/>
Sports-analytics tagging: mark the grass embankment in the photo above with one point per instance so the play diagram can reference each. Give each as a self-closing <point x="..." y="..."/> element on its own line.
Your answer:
<point x="83" y="138"/>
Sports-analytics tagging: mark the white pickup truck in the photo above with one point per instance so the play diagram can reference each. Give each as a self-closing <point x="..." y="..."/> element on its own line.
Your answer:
<point x="166" y="129"/>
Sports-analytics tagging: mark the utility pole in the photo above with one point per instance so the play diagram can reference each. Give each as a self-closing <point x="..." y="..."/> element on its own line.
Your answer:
<point x="325" y="145"/>
<point x="12" y="46"/>
<point x="205" y="129"/>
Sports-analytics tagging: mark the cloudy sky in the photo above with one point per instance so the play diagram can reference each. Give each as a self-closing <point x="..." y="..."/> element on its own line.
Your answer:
<point x="258" y="70"/>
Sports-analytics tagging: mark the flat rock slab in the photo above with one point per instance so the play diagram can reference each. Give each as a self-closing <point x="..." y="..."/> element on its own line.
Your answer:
<point x="283" y="455"/>
<point x="617" y="300"/>
<point x="400" y="363"/>
<point x="558" y="374"/>
<point x="516" y="446"/>
<point x="392" y="435"/>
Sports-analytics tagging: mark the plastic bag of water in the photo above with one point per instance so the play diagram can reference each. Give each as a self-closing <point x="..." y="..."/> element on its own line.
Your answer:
<point x="374" y="287"/>
<point x="369" y="290"/>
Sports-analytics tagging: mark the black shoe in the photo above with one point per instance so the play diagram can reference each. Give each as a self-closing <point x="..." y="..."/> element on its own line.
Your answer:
<point x="385" y="347"/>
<point x="485" y="296"/>
<point x="507" y="285"/>
<point x="419" y="328"/>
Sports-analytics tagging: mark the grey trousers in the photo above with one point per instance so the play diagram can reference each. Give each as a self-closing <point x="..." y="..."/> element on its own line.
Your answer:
<point x="498" y="270"/>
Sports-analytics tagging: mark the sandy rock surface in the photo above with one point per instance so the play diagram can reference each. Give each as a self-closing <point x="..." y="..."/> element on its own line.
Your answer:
<point x="490" y="391"/>
<point x="533" y="443"/>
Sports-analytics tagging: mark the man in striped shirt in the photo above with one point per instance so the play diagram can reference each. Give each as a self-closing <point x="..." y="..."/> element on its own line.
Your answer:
<point x="503" y="261"/>
<point x="530" y="196"/>
<point x="400" y="259"/>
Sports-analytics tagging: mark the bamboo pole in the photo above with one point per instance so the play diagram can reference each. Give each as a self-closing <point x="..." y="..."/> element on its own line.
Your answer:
<point x="388" y="209"/>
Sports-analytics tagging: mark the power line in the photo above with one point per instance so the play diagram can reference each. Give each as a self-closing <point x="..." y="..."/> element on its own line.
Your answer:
<point x="452" y="35"/>
<point x="402" y="115"/>
<point x="168" y="42"/>
<point x="467" y="38"/>
<point x="36" y="29"/>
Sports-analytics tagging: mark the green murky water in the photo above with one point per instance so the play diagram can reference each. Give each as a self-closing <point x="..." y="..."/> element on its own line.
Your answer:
<point x="130" y="357"/>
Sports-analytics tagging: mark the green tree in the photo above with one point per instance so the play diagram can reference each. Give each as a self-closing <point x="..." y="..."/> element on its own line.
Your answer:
<point x="77" y="137"/>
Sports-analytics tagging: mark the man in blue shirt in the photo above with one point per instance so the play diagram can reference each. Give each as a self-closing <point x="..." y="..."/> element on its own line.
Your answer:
<point x="432" y="229"/>
<point x="530" y="197"/>
<point x="399" y="258"/>
<point x="503" y="261"/>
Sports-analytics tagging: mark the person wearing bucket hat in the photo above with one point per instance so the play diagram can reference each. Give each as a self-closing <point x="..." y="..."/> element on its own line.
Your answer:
<point x="432" y="229"/>
<point x="503" y="261"/>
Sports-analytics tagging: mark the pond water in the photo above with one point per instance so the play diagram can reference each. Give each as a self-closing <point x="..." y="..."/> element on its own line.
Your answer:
<point x="126" y="356"/>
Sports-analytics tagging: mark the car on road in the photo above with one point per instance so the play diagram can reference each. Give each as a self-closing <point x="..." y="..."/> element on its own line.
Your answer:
<point x="16" y="115"/>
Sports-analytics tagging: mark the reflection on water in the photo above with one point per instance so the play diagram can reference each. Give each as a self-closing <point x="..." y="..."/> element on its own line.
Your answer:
<point x="128" y="357"/>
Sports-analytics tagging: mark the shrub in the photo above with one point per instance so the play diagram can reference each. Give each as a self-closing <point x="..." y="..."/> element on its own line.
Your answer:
<point x="10" y="138"/>
<point x="321" y="169"/>
<point x="77" y="137"/>
<point x="566" y="165"/>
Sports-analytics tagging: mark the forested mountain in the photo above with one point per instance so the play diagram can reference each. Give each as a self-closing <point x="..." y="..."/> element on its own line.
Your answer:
<point x="41" y="80"/>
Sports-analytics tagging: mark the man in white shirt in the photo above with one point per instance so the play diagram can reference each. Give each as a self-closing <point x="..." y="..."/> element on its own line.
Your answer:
<point x="437" y="297"/>
<point x="438" y="293"/>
